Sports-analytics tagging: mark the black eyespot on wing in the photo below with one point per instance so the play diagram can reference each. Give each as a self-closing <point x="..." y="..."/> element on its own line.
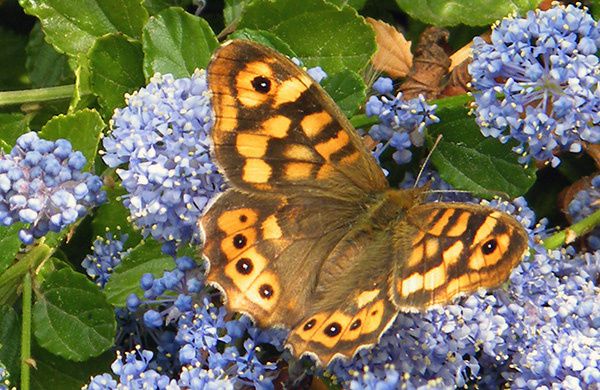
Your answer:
<point x="265" y="291"/>
<point x="489" y="247"/>
<point x="355" y="324"/>
<point x="261" y="84"/>
<point x="333" y="329"/>
<point x="309" y="325"/>
<point x="239" y="241"/>
<point x="244" y="266"/>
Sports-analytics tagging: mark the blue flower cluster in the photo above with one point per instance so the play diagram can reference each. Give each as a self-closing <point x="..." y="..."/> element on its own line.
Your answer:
<point x="107" y="254"/>
<point x="42" y="185"/>
<point x="584" y="203"/>
<point x="538" y="82"/>
<point x="162" y="137"/>
<point x="401" y="121"/>
<point x="543" y="331"/>
<point x="133" y="373"/>
<point x="206" y="348"/>
<point x="4" y="378"/>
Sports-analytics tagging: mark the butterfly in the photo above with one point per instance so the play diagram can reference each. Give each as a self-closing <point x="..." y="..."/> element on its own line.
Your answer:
<point x="310" y="236"/>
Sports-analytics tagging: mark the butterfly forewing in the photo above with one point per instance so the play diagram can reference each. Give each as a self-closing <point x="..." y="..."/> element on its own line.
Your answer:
<point x="277" y="130"/>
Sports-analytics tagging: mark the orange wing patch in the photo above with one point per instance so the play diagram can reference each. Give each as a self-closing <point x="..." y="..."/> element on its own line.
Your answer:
<point x="268" y="112"/>
<point x="458" y="248"/>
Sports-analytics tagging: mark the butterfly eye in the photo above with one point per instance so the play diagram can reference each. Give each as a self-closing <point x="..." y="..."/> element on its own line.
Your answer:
<point x="261" y="84"/>
<point x="489" y="247"/>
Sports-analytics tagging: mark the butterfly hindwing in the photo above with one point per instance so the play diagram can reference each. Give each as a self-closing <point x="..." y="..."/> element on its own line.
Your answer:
<point x="344" y="317"/>
<point x="453" y="248"/>
<point x="277" y="130"/>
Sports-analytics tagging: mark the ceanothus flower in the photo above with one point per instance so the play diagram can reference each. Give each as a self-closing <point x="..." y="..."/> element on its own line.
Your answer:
<point x="401" y="121"/>
<point x="133" y="373"/>
<point x="107" y="254"/>
<point x="538" y="82"/>
<point x="5" y="378"/>
<point x="42" y="185"/>
<point x="584" y="203"/>
<point x="162" y="140"/>
<point x="206" y="346"/>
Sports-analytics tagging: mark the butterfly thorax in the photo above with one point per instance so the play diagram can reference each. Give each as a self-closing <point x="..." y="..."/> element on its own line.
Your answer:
<point x="389" y="206"/>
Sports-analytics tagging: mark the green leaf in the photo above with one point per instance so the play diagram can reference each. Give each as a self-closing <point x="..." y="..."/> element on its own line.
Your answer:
<point x="265" y="38"/>
<point x="12" y="58"/>
<point x="53" y="372"/>
<point x="12" y="126"/>
<point x="82" y="128"/>
<point x="147" y="257"/>
<point x="9" y="245"/>
<point x="72" y="26"/>
<point x="82" y="96"/>
<point x="347" y="89"/>
<point x="356" y="4"/>
<point x="595" y="8"/>
<point x="470" y="12"/>
<point x="45" y="66"/>
<point x="469" y="161"/>
<point x="115" y="69"/>
<point x="10" y="339"/>
<point x="71" y="317"/>
<point x="312" y="29"/>
<point x="176" y="42"/>
<point x="233" y="10"/>
<point x="112" y="217"/>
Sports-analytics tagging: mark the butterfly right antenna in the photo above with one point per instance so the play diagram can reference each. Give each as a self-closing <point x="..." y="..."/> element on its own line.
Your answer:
<point x="435" y="144"/>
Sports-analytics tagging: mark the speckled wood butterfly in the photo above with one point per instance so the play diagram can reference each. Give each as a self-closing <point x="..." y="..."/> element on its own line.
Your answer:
<point x="310" y="236"/>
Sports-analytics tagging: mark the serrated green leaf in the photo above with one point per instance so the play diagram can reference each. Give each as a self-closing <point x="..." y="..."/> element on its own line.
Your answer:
<point x="72" y="26"/>
<point x="52" y="372"/>
<point x="71" y="317"/>
<point x="12" y="126"/>
<point x="112" y="217"/>
<point x="312" y="29"/>
<point x="82" y="128"/>
<point x="347" y="89"/>
<point x="264" y="38"/>
<point x="45" y="66"/>
<point x="470" y="12"/>
<point x="233" y="10"/>
<point x="176" y="42"/>
<point x="10" y="340"/>
<point x="147" y="257"/>
<point x="469" y="161"/>
<point x="115" y="69"/>
<point x="82" y="96"/>
<point x="12" y="58"/>
<point x="9" y="245"/>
